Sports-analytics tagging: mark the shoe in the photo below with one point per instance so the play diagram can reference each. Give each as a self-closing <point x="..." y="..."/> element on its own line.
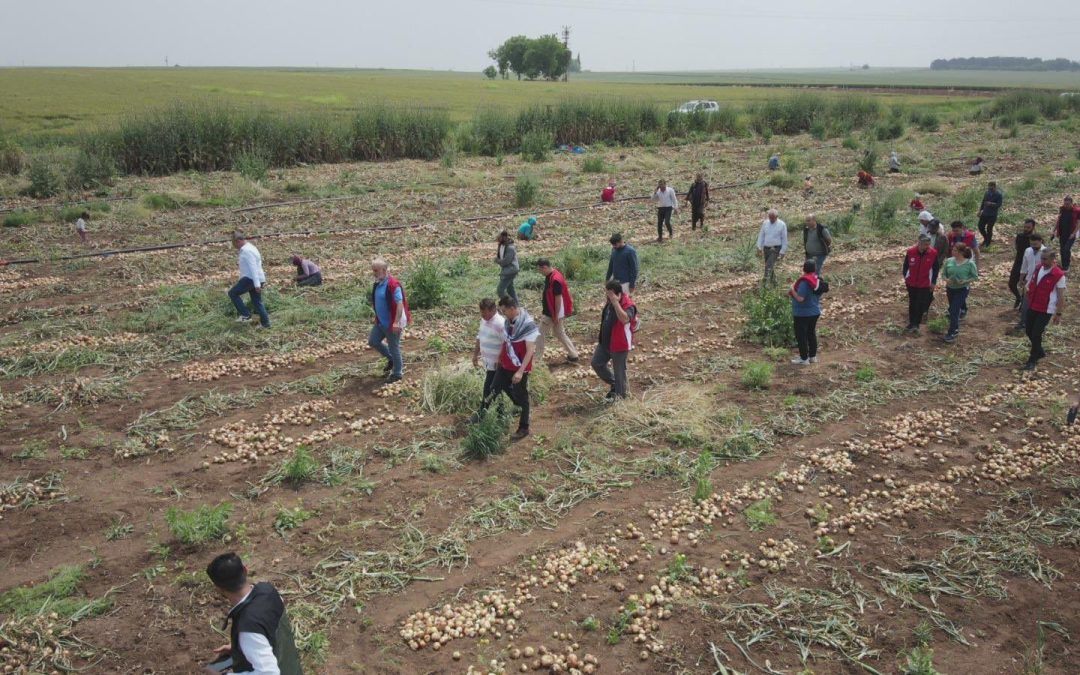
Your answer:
<point x="1071" y="417"/>
<point x="911" y="329"/>
<point x="243" y="319"/>
<point x="659" y="240"/>
<point x="521" y="433"/>
<point x="1016" y="305"/>
<point x="949" y="338"/>
<point x="800" y="362"/>
<point x="388" y="368"/>
<point x="572" y="359"/>
<point x="262" y="326"/>
<point x="813" y="359"/>
<point x="963" y="315"/>
<point x="390" y="379"/>
<point x="1030" y="365"/>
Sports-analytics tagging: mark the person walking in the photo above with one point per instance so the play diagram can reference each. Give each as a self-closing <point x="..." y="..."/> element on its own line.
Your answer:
<point x="507" y="258"/>
<point x="527" y="230"/>
<point x="894" y="162"/>
<point x="607" y="195"/>
<point x="516" y="360"/>
<point x="772" y="244"/>
<point x="307" y="272"/>
<point x="805" y="310"/>
<point x="617" y="322"/>
<point x="80" y="227"/>
<point x="817" y="242"/>
<point x="940" y="243"/>
<point x="919" y="280"/>
<point x="1030" y="264"/>
<point x="1046" y="299"/>
<point x="1021" y="243"/>
<point x="489" y="344"/>
<point x="1065" y="230"/>
<point x="698" y="198"/>
<point x="391" y="317"/>
<point x="926" y="219"/>
<point x="558" y="305"/>
<point x="960" y="271"/>
<point x="252" y="281"/>
<point x="988" y="212"/>
<point x="261" y="639"/>
<point x="667" y="203"/>
<point x="623" y="264"/>
<point x="962" y="235"/>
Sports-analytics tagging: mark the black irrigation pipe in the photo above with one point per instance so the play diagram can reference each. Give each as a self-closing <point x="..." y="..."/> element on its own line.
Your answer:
<point x="349" y="230"/>
<point x="61" y="205"/>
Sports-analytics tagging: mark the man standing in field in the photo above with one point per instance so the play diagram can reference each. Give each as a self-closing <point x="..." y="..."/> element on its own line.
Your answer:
<point x="80" y="227"/>
<point x="558" y="305"/>
<point x="489" y="343"/>
<point x="623" y="264"/>
<point x="391" y="317"/>
<point x="817" y="241"/>
<point x="667" y="203"/>
<point x="260" y="636"/>
<point x="772" y="244"/>
<point x="698" y="198"/>
<point x="1021" y="243"/>
<point x="1065" y="230"/>
<point x="1031" y="262"/>
<point x="988" y="212"/>
<point x="1046" y="299"/>
<point x="918" y="268"/>
<point x="616" y="340"/>
<point x="252" y="281"/>
<point x="516" y="360"/>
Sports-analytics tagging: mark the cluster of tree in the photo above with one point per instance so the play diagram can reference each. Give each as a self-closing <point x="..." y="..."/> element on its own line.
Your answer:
<point x="532" y="58"/>
<point x="1004" y="63"/>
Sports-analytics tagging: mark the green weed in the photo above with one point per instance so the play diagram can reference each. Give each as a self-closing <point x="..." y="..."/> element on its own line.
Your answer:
<point x="199" y="526"/>
<point x="757" y="375"/>
<point x="760" y="515"/>
<point x="489" y="435"/>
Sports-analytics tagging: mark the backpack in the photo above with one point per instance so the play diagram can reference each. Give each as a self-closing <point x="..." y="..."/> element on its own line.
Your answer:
<point x="822" y="287"/>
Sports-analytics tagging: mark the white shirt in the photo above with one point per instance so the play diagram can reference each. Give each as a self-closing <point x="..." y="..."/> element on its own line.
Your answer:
<point x="1032" y="260"/>
<point x="251" y="264"/>
<point x="1051" y="307"/>
<point x="491" y="337"/>
<point x="666" y="198"/>
<point x="773" y="234"/>
<point x="80" y="225"/>
<point x="256" y="647"/>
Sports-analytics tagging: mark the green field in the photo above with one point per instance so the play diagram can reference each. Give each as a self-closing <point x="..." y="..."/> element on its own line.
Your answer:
<point x="48" y="102"/>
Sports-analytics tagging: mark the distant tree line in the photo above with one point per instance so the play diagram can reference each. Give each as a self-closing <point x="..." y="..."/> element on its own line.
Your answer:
<point x="532" y="58"/>
<point x="1004" y="63"/>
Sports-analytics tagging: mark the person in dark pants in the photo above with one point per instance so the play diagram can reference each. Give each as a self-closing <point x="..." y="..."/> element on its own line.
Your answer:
<point x="307" y="272"/>
<point x="959" y="272"/>
<point x="1022" y="243"/>
<point x="698" y="198"/>
<point x="616" y="340"/>
<point x="516" y="360"/>
<point x="805" y="310"/>
<point x="489" y="343"/>
<point x="1046" y="298"/>
<point x="667" y="203"/>
<point x="252" y="281"/>
<point x="506" y="258"/>
<point x="260" y="637"/>
<point x="1065" y="229"/>
<point x="1032" y="262"/>
<point x="919" y="264"/>
<point x="988" y="212"/>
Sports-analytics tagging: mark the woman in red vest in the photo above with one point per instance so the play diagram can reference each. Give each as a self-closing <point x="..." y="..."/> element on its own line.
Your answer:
<point x="1046" y="297"/>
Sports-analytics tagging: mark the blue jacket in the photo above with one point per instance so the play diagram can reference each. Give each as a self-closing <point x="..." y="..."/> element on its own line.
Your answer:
<point x="623" y="265"/>
<point x="811" y="304"/>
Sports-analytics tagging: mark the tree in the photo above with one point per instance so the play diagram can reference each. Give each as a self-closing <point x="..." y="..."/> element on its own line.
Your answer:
<point x="490" y="72"/>
<point x="545" y="57"/>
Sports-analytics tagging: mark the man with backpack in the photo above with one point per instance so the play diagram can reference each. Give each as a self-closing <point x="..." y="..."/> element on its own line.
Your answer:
<point x="618" y="322"/>
<point x="817" y="240"/>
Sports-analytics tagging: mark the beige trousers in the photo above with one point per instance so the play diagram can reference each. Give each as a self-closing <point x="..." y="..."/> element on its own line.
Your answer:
<point x="547" y="327"/>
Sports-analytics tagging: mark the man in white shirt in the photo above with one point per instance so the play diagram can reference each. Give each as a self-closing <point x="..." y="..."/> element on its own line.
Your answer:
<point x="666" y="203"/>
<point x="489" y="343"/>
<point x="772" y="244"/>
<point x="252" y="281"/>
<point x="1030" y="263"/>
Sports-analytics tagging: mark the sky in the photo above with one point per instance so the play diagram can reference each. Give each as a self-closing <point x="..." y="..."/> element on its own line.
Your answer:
<point x="610" y="35"/>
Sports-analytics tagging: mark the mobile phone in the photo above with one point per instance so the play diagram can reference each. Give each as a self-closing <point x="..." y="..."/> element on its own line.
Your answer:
<point x="222" y="665"/>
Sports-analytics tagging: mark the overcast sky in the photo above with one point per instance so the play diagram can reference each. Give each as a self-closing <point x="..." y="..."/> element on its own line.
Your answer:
<point x="456" y="34"/>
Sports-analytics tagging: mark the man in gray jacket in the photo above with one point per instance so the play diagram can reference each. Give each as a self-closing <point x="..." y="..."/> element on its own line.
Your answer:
<point x="507" y="258"/>
<point x="623" y="264"/>
<point x="818" y="242"/>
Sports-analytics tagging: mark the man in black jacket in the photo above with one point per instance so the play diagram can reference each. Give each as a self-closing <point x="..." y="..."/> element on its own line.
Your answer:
<point x="698" y="198"/>
<point x="261" y="638"/>
<point x="1023" y="243"/>
<point x="988" y="213"/>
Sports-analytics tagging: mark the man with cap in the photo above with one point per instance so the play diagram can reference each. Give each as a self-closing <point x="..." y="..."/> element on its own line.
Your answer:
<point x="919" y="279"/>
<point x="623" y="264"/>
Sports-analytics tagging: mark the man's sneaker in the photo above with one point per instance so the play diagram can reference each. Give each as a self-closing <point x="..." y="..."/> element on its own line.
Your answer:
<point x="243" y="319"/>
<point x="911" y="330"/>
<point x="963" y="314"/>
<point x="949" y="337"/>
<point x="263" y="326"/>
<point x="390" y="379"/>
<point x="800" y="362"/>
<point x="388" y="367"/>
<point x="1030" y="365"/>
<point x="521" y="433"/>
<point x="572" y="359"/>
<point x="813" y="359"/>
<point x="1070" y="419"/>
<point x="610" y="395"/>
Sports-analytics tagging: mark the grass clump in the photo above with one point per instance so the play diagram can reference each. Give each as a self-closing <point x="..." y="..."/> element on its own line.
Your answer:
<point x="865" y="373"/>
<point x="536" y="146"/>
<point x="594" y="165"/>
<point x="526" y="191"/>
<point x="161" y="201"/>
<point x="12" y="159"/>
<point x="490" y="435"/>
<point x="300" y="467"/>
<point x="590" y="624"/>
<point x="757" y="375"/>
<point x="451" y="390"/>
<point x="938" y="325"/>
<point x="252" y="164"/>
<point x="703" y="488"/>
<point x="201" y="525"/>
<point x="768" y="319"/>
<point x="427" y="288"/>
<point x="884" y="210"/>
<point x="290" y="519"/>
<point x="57" y="594"/>
<point x="919" y="661"/>
<point x="21" y="218"/>
<point x="44" y="179"/>
<point x="760" y="515"/>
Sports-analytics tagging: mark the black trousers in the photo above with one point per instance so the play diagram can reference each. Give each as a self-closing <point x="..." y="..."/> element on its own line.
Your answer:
<point x="697" y="215"/>
<point x="918" y="304"/>
<point x="1034" y="327"/>
<point x="986" y="228"/>
<point x="663" y="217"/>
<point x="1014" y="280"/>
<point x="517" y="393"/>
<point x="806" y="335"/>
<point x="489" y="386"/>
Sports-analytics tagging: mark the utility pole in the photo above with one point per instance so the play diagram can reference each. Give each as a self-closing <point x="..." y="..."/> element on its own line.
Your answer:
<point x="566" y="46"/>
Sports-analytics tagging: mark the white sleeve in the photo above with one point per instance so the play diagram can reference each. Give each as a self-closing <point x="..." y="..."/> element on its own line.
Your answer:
<point x="761" y="237"/>
<point x="783" y="238"/>
<point x="259" y="653"/>
<point x="1061" y="283"/>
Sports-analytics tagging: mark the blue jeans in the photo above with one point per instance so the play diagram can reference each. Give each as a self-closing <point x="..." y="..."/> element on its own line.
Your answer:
<point x="391" y="350"/>
<point x="819" y="261"/>
<point x="246" y="285"/>
<point x="506" y="287"/>
<point x="957" y="301"/>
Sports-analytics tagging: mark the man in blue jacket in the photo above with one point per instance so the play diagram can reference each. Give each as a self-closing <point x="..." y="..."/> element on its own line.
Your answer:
<point x="623" y="264"/>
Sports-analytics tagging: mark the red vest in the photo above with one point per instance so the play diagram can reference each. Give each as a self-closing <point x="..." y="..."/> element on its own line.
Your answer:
<point x="1039" y="292"/>
<point x="622" y="334"/>
<point x="519" y="347"/>
<point x="549" y="294"/>
<point x="391" y="290"/>
<point x="608" y="195"/>
<point x="967" y="237"/>
<point x="920" y="267"/>
<point x="811" y="279"/>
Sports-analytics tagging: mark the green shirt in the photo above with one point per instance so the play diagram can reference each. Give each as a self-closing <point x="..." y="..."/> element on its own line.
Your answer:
<point x="960" y="274"/>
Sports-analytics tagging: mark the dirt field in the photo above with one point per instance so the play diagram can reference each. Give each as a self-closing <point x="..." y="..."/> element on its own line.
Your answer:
<point x="900" y="503"/>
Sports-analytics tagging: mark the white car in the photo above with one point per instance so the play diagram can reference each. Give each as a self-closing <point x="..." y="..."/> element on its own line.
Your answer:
<point x="698" y="106"/>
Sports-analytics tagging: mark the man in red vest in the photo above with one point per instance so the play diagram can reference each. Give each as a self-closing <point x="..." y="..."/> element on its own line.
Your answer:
<point x="391" y="317"/>
<point x="1046" y="298"/>
<point x="558" y="305"/>
<point x="919" y="277"/>
<point x="516" y="360"/>
<point x="616" y="339"/>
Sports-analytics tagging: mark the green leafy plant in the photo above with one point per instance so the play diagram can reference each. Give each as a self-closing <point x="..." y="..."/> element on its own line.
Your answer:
<point x="526" y="191"/>
<point x="865" y="373"/>
<point x="290" y="519"/>
<point x="594" y="165"/>
<point x="919" y="661"/>
<point x="868" y="162"/>
<point x="426" y="286"/>
<point x="768" y="318"/>
<point x="490" y="435"/>
<point x="203" y="524"/>
<point x="703" y="467"/>
<point x="536" y="146"/>
<point x="677" y="569"/>
<point x="760" y="515"/>
<point x="938" y="325"/>
<point x="300" y="467"/>
<point x="253" y="164"/>
<point x="590" y="623"/>
<point x="44" y="181"/>
<point x="757" y="375"/>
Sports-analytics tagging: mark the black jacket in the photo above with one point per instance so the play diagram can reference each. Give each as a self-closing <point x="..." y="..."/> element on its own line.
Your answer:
<point x="263" y="612"/>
